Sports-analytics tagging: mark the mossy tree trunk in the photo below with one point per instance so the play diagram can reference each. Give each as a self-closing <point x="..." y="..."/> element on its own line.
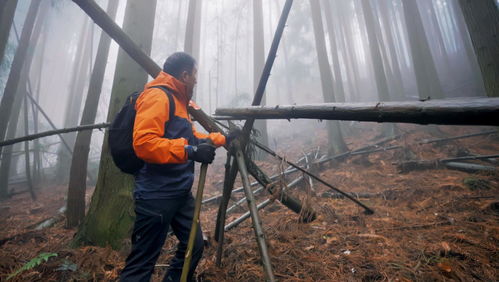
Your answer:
<point x="109" y="219"/>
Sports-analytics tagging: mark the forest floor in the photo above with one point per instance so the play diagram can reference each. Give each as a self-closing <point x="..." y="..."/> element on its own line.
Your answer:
<point x="429" y="225"/>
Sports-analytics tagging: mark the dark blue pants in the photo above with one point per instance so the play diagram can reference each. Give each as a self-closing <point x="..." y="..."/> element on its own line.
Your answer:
<point x="153" y="217"/>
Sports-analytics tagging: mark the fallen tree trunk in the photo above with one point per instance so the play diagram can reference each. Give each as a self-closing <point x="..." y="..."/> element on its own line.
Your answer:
<point x="404" y="167"/>
<point x="476" y="111"/>
<point x="428" y="141"/>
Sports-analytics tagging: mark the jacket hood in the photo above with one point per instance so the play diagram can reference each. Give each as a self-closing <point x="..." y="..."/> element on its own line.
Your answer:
<point x="164" y="79"/>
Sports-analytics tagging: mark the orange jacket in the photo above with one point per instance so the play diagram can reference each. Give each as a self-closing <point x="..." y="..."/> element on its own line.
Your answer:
<point x="152" y="109"/>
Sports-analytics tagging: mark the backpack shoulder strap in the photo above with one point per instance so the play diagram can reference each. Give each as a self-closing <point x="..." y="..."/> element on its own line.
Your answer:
<point x="171" y="102"/>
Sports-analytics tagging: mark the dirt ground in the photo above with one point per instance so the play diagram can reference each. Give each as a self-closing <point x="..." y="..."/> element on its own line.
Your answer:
<point x="429" y="225"/>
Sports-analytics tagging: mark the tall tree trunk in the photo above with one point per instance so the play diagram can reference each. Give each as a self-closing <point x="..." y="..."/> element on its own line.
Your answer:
<point x="397" y="82"/>
<point x="7" y="11"/>
<point x="193" y="31"/>
<point x="379" y="70"/>
<point x="482" y="18"/>
<point x="422" y="59"/>
<point x="75" y="211"/>
<point x="258" y="63"/>
<point x="467" y="45"/>
<point x="110" y="216"/>
<point x="78" y="81"/>
<point x="375" y="39"/>
<point x="27" y="161"/>
<point x="15" y="71"/>
<point x="340" y="91"/>
<point x="336" y="142"/>
<point x="20" y="92"/>
<point x="347" y="45"/>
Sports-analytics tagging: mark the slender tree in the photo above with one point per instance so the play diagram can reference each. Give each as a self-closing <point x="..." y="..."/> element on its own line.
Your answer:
<point x="467" y="46"/>
<point x="375" y="40"/>
<point x="20" y="93"/>
<point x="424" y="66"/>
<point x="78" y="174"/>
<point x="73" y="105"/>
<point x="396" y="80"/>
<point x="258" y="63"/>
<point x="193" y="30"/>
<point x="339" y="90"/>
<point x="15" y="71"/>
<point x="110" y="215"/>
<point x="482" y="18"/>
<point x="7" y="11"/>
<point x="336" y="142"/>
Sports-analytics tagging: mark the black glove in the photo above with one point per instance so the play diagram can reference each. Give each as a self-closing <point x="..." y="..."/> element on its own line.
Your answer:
<point x="203" y="153"/>
<point x="233" y="134"/>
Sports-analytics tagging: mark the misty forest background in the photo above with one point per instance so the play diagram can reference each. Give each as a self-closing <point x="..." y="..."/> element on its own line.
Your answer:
<point x="58" y="70"/>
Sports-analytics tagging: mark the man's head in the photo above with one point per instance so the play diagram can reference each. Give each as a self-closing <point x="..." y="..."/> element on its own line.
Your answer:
<point x="183" y="67"/>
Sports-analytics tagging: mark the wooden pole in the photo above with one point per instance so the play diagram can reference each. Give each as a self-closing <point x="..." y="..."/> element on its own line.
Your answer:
<point x="53" y="132"/>
<point x="195" y="223"/>
<point x="260" y="206"/>
<point x="257" y="225"/>
<point x="472" y="111"/>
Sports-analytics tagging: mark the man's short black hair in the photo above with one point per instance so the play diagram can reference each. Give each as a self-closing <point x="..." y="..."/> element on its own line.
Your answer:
<point x="179" y="62"/>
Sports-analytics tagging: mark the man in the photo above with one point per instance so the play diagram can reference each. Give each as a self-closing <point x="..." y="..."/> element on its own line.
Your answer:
<point x="162" y="191"/>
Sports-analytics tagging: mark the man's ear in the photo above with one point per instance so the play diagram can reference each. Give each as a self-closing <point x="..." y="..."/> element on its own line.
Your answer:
<point x="183" y="76"/>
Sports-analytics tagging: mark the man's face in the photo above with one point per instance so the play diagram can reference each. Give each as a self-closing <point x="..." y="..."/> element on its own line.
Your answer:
<point x="190" y="80"/>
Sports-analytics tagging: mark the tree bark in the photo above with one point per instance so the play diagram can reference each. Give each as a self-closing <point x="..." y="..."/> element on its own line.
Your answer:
<point x="78" y="173"/>
<point x="7" y="11"/>
<point x="478" y="111"/>
<point x="423" y="63"/>
<point x="15" y="71"/>
<point x="336" y="142"/>
<point x="482" y="18"/>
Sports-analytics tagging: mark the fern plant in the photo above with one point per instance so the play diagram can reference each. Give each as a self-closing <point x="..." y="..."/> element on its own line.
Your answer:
<point x="41" y="258"/>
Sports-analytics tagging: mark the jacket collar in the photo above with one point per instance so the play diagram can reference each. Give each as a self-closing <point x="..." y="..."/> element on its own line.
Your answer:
<point x="164" y="79"/>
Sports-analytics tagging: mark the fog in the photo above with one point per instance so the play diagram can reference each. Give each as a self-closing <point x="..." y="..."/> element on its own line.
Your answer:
<point x="65" y="52"/>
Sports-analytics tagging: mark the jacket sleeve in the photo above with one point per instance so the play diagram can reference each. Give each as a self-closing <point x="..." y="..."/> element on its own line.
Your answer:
<point x="152" y="112"/>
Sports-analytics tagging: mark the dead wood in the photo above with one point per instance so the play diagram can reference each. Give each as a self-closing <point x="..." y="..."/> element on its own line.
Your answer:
<point x="472" y="111"/>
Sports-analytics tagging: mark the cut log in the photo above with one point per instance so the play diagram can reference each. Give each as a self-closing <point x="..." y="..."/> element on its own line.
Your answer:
<point x="472" y="111"/>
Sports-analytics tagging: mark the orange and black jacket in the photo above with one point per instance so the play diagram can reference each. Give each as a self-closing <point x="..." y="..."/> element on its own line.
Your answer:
<point x="160" y="141"/>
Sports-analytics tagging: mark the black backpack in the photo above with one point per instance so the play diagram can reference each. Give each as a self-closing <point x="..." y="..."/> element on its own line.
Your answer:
<point x="120" y="139"/>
